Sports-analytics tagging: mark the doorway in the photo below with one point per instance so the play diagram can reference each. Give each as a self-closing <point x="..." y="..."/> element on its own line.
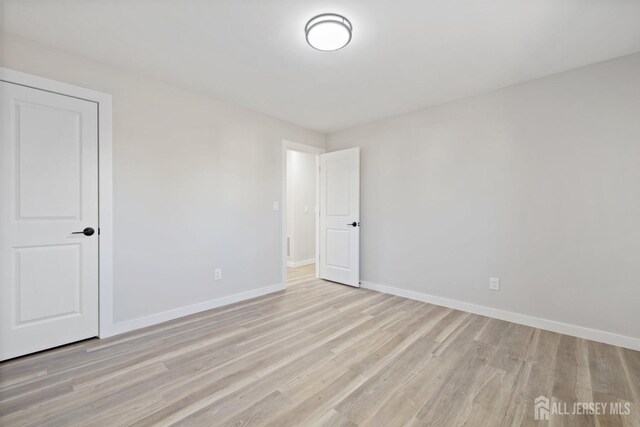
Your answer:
<point x="334" y="185"/>
<point x="302" y="213"/>
<point x="300" y="203"/>
<point x="302" y="210"/>
<point x="55" y="221"/>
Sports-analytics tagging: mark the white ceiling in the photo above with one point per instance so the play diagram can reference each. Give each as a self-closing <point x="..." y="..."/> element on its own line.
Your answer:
<point x="405" y="54"/>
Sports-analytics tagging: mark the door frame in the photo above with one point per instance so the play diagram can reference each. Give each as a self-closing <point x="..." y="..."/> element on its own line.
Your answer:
<point x="310" y="149"/>
<point x="105" y="181"/>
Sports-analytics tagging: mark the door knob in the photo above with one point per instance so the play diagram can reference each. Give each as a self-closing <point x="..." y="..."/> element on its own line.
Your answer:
<point x="354" y="224"/>
<point x="87" y="231"/>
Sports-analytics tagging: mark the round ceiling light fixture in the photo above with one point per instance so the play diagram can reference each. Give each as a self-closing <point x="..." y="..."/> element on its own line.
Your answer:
<point x="328" y="32"/>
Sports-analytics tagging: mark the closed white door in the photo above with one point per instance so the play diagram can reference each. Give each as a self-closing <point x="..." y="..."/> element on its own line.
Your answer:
<point x="340" y="216"/>
<point x="48" y="192"/>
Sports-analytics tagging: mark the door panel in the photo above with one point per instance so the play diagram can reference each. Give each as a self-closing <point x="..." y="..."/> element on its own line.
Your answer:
<point x="48" y="190"/>
<point x="41" y="264"/>
<point x="338" y="187"/>
<point x="40" y="196"/>
<point x="338" y="244"/>
<point x="339" y="208"/>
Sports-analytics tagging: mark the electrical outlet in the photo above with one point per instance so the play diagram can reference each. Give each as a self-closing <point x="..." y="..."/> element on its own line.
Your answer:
<point x="217" y="274"/>
<point x="494" y="284"/>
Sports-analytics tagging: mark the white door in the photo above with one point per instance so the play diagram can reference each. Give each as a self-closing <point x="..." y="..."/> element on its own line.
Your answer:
<point x="340" y="216"/>
<point x="48" y="191"/>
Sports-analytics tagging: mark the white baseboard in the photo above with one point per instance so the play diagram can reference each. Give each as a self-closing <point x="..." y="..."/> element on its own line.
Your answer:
<point x="142" y="322"/>
<point x="522" y="319"/>
<point x="292" y="264"/>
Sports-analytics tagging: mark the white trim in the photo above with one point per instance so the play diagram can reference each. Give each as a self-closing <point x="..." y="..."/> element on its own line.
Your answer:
<point x="165" y="316"/>
<point x="105" y="184"/>
<point x="509" y="316"/>
<point x="317" y="212"/>
<point x="294" y="264"/>
<point x="294" y="146"/>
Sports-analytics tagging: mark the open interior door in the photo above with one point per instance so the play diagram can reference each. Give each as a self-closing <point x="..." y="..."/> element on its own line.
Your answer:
<point x="340" y="216"/>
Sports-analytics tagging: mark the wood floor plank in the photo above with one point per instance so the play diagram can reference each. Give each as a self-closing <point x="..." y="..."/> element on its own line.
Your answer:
<point x="360" y="405"/>
<point x="319" y="402"/>
<point x="321" y="354"/>
<point x="463" y="371"/>
<point x="631" y="362"/>
<point x="607" y="373"/>
<point x="257" y="413"/>
<point x="565" y="379"/>
<point x="332" y="419"/>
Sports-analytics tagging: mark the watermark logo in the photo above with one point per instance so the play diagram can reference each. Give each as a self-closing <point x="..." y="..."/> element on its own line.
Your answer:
<point x="541" y="408"/>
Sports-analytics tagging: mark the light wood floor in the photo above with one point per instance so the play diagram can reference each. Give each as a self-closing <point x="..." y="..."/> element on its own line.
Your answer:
<point x="320" y="354"/>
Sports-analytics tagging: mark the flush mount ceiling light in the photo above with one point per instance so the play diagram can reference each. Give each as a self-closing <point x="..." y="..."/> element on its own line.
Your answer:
<point x="328" y="32"/>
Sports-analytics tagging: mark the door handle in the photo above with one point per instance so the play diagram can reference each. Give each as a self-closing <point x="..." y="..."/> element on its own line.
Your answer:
<point x="354" y="224"/>
<point x="87" y="231"/>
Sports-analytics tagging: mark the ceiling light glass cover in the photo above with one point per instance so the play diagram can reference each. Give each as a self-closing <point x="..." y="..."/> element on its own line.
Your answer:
<point x="328" y="32"/>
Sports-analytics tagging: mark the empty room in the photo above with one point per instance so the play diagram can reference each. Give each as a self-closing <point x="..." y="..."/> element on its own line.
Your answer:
<point x="320" y="213"/>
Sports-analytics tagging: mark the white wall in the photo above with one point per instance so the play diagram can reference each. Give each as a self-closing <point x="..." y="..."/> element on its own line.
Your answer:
<point x="194" y="184"/>
<point x="301" y="199"/>
<point x="537" y="184"/>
